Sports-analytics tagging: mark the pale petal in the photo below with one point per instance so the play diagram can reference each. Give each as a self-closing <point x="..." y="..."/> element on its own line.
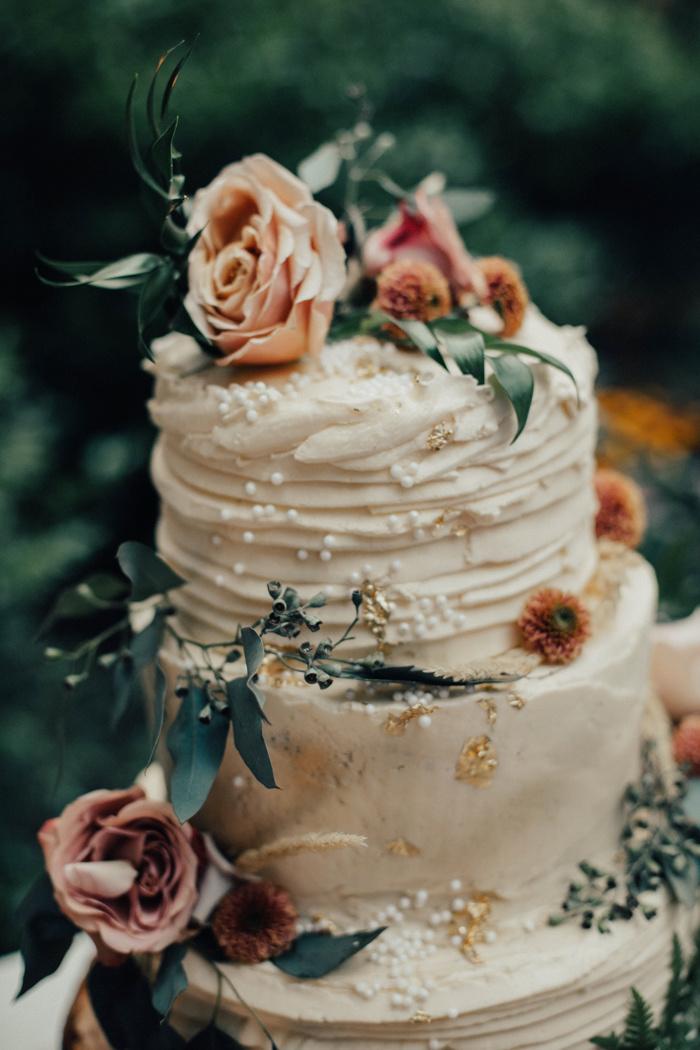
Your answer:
<point x="105" y="878"/>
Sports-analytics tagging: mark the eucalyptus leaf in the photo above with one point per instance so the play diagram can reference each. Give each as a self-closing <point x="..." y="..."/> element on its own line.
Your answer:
<point x="95" y="594"/>
<point x="467" y="349"/>
<point x="148" y="573"/>
<point x="46" y="933"/>
<point x="313" y="955"/>
<point x="145" y="644"/>
<point x="518" y="384"/>
<point x="121" y="1000"/>
<point x="197" y="749"/>
<point x="253" y="649"/>
<point x="321" y="168"/>
<point x="123" y="680"/>
<point x="171" y="979"/>
<point x="159" y="690"/>
<point x="246" y="719"/>
<point x="540" y="355"/>
<point x="467" y="205"/>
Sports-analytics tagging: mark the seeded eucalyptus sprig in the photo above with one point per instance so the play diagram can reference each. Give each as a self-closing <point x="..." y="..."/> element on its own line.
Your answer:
<point x="211" y="701"/>
<point x="456" y="338"/>
<point x="158" y="278"/>
<point x="661" y="850"/>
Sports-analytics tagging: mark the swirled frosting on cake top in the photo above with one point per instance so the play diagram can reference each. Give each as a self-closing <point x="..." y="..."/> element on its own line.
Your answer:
<point x="371" y="466"/>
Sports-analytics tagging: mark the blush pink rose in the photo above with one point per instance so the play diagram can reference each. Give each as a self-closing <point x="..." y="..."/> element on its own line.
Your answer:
<point x="428" y="233"/>
<point x="123" y="869"/>
<point x="268" y="265"/>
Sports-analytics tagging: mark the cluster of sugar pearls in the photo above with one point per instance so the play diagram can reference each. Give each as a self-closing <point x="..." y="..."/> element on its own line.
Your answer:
<point x="249" y="400"/>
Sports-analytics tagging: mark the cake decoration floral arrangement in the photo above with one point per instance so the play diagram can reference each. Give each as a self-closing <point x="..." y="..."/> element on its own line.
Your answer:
<point x="261" y="275"/>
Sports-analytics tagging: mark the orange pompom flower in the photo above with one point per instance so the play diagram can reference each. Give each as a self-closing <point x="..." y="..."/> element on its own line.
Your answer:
<point x="413" y="290"/>
<point x="555" y="625"/>
<point x="621" y="513"/>
<point x="254" y="921"/>
<point x="506" y="292"/>
<point x="686" y="744"/>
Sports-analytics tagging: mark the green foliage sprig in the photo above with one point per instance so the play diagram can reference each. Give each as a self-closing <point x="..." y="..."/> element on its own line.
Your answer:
<point x="678" y="1026"/>
<point x="159" y="279"/>
<point x="661" y="849"/>
<point x="456" y="339"/>
<point x="212" y="701"/>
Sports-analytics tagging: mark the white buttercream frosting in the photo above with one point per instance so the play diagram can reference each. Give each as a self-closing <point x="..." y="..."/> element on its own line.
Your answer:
<point x="323" y="476"/>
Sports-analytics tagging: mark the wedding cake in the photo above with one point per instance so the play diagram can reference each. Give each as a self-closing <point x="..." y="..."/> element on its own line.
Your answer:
<point x="397" y="640"/>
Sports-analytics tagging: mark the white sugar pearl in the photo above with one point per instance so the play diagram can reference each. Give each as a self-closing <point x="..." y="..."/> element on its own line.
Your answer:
<point x="325" y="555"/>
<point x="292" y="514"/>
<point x="270" y="509"/>
<point x="355" y="576"/>
<point x="397" y="999"/>
<point x="223" y="407"/>
<point x="276" y="478"/>
<point x="413" y="517"/>
<point x="370" y="709"/>
<point x="238" y="782"/>
<point x="434" y="1044"/>
<point x="419" y="534"/>
<point x="219" y="580"/>
<point x="250" y="488"/>
<point x="404" y="629"/>
<point x="413" y="467"/>
<point x="396" y="471"/>
<point x="239" y="568"/>
<point x="421" y="898"/>
<point x="264" y="400"/>
<point x="329" y="540"/>
<point x="405" y="903"/>
<point x="453" y="1013"/>
<point x="367" y="569"/>
<point x="490" y="936"/>
<point x="393" y="522"/>
<point x="459" y="620"/>
<point x="302" y="555"/>
<point x="249" y="537"/>
<point x="395" y="566"/>
<point x="456" y="885"/>
<point x="456" y="940"/>
<point x="458" y="904"/>
<point x="407" y="482"/>
<point x="216" y="540"/>
<point x="425" y="603"/>
<point x="529" y="925"/>
<point x="435" y="918"/>
<point x="226" y="513"/>
<point x="446" y="916"/>
<point x="258" y="511"/>
<point x="251" y="415"/>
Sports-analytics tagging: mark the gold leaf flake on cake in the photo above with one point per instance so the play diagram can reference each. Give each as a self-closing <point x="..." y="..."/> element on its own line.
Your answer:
<point x="440" y="435"/>
<point x="488" y="706"/>
<point x="402" y="848"/>
<point x="421" y="1017"/>
<point x="477" y="762"/>
<point x="470" y="922"/>
<point x="376" y="611"/>
<point x="396" y="724"/>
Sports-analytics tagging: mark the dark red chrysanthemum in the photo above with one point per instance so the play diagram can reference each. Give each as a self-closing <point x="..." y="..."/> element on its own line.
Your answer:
<point x="621" y="513"/>
<point x="555" y="625"/>
<point x="686" y="744"/>
<point x="254" y="921"/>
<point x="413" y="290"/>
<point x="506" y="292"/>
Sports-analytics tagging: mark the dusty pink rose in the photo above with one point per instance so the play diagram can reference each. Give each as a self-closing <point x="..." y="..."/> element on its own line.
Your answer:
<point x="429" y="233"/>
<point x="123" y="869"/>
<point x="268" y="266"/>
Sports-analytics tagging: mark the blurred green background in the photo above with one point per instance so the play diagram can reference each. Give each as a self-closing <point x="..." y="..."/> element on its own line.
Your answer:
<point x="582" y="115"/>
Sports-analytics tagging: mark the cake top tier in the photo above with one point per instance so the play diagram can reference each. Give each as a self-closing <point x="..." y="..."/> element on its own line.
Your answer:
<point x="370" y="466"/>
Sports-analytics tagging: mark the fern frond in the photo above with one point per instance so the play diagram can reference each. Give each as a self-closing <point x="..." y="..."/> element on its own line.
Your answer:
<point x="639" y="1025"/>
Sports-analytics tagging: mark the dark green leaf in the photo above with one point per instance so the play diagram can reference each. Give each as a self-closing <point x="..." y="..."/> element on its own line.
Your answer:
<point x="145" y="645"/>
<point x="46" y="933"/>
<point x="314" y="955"/>
<point x="253" y="649"/>
<point x="639" y="1026"/>
<point x="408" y="673"/>
<point x="128" y="272"/>
<point x="418" y="333"/>
<point x="121" y="999"/>
<point x="158" y="711"/>
<point x="172" y="79"/>
<point x="212" y="1038"/>
<point x="171" y="979"/>
<point x="149" y="575"/>
<point x="153" y="297"/>
<point x="96" y="593"/>
<point x="467" y="205"/>
<point x="467" y="348"/>
<point x="136" y="158"/>
<point x="673" y="1001"/>
<point x="247" y="719"/>
<point x="517" y="382"/>
<point x="539" y="355"/>
<point x="197" y="748"/>
<point x="345" y="326"/>
<point x="320" y="169"/>
<point x="163" y="153"/>
<point x="123" y="681"/>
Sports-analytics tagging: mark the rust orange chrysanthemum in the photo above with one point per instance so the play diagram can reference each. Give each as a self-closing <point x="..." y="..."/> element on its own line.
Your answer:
<point x="621" y="512"/>
<point x="254" y="921"/>
<point x="555" y="625"/>
<point x="634" y="421"/>
<point x="413" y="290"/>
<point x="506" y="292"/>
<point x="686" y="744"/>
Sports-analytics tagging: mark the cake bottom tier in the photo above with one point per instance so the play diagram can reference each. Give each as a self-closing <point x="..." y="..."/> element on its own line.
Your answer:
<point x="550" y="989"/>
